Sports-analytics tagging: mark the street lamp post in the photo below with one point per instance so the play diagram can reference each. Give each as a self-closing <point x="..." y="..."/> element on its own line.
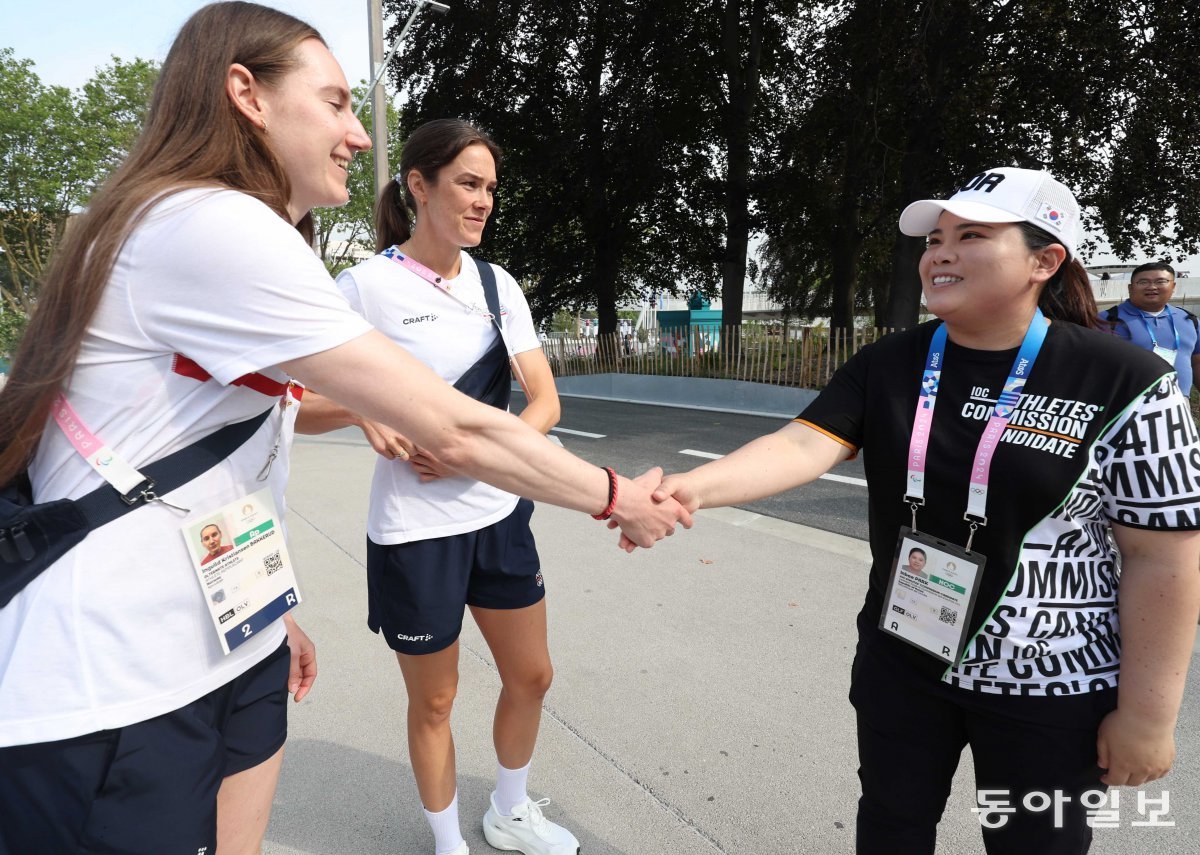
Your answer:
<point x="377" y="90"/>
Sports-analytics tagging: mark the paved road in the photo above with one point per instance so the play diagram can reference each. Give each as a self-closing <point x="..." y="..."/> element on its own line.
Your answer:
<point x="699" y="704"/>
<point x="636" y="437"/>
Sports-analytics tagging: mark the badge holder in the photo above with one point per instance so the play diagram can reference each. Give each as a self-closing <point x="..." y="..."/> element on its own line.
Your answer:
<point x="243" y="567"/>
<point x="931" y="597"/>
<point x="1165" y="353"/>
<point x="932" y="590"/>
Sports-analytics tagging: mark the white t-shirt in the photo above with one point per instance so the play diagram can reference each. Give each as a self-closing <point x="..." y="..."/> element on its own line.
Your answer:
<point x="450" y="338"/>
<point x="117" y="631"/>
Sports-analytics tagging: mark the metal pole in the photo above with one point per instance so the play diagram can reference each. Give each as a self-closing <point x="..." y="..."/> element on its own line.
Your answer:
<point x="378" y="95"/>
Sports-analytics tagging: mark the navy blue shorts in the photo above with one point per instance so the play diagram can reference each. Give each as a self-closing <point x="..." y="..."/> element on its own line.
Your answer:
<point x="416" y="591"/>
<point x="150" y="787"/>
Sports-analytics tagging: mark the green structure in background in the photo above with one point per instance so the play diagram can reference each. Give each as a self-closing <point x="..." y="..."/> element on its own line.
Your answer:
<point x="694" y="330"/>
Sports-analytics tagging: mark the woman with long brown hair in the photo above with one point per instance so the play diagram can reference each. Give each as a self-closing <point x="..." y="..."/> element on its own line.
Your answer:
<point x="1029" y="496"/>
<point x="142" y="690"/>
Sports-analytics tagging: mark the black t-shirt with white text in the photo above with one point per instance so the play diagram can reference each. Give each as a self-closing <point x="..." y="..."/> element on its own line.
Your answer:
<point x="1100" y="434"/>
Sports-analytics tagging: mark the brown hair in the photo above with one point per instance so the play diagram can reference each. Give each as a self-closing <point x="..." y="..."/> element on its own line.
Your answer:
<point x="427" y="149"/>
<point x="194" y="137"/>
<point x="1068" y="295"/>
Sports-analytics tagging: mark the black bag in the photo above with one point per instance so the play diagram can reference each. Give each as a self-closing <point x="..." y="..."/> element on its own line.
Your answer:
<point x="489" y="380"/>
<point x="34" y="536"/>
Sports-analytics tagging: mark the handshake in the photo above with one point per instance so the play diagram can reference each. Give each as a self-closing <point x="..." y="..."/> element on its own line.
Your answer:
<point x="647" y="508"/>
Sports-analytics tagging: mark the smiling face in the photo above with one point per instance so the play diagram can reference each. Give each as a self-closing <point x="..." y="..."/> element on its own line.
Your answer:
<point x="452" y="209"/>
<point x="975" y="273"/>
<point x="1151" y="290"/>
<point x="210" y="539"/>
<point x="916" y="560"/>
<point x="312" y="129"/>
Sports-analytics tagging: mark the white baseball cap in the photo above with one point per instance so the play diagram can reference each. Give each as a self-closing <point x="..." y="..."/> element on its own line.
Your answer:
<point x="1004" y="195"/>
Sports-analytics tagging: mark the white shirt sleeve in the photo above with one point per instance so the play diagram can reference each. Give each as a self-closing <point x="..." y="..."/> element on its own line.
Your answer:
<point x="349" y="287"/>
<point x="225" y="281"/>
<point x="518" y="322"/>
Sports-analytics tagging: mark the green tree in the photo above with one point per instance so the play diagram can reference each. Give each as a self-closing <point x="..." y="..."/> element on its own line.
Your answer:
<point x="56" y="147"/>
<point x="341" y="231"/>
<point x="1099" y="92"/>
<point x="598" y="197"/>
<point x="742" y="52"/>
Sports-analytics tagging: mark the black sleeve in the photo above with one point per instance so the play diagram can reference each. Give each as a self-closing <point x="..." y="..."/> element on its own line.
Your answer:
<point x="839" y="411"/>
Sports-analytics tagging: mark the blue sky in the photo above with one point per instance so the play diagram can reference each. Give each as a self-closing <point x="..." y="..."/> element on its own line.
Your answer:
<point x="69" y="39"/>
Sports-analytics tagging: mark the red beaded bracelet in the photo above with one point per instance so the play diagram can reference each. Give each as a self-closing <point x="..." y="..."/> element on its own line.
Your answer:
<point x="612" y="495"/>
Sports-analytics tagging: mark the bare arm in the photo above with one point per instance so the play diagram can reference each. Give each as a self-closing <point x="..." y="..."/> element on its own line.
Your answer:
<point x="542" y="410"/>
<point x="1159" y="602"/>
<point x="541" y="413"/>
<point x="373" y="376"/>
<point x="793" y="455"/>
<point x="319" y="414"/>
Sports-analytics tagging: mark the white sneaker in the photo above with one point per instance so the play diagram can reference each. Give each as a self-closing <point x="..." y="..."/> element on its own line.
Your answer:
<point x="527" y="830"/>
<point x="461" y="849"/>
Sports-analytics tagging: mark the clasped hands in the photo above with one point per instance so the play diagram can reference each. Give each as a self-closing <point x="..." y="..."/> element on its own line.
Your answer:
<point x="648" y="508"/>
<point x="655" y="506"/>
<point x="395" y="446"/>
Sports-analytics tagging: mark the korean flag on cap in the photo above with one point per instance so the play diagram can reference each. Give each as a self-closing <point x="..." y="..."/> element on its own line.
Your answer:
<point x="1053" y="217"/>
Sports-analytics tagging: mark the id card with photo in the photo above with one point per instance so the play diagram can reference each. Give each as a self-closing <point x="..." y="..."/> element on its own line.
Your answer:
<point x="243" y="567"/>
<point x="931" y="593"/>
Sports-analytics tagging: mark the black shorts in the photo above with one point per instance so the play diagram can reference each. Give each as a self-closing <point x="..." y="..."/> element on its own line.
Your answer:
<point x="149" y="787"/>
<point x="416" y="591"/>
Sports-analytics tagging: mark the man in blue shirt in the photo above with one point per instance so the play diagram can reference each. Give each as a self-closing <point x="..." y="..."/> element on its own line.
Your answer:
<point x="1150" y="322"/>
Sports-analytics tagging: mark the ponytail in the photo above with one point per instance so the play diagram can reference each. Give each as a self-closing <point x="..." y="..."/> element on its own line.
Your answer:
<point x="392" y="217"/>
<point x="1068" y="296"/>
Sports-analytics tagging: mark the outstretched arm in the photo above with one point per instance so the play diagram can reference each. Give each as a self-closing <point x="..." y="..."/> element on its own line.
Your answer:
<point x="373" y="376"/>
<point x="793" y="455"/>
<point x="1159" y="601"/>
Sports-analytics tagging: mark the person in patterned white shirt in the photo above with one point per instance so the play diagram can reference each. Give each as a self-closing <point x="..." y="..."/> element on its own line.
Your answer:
<point x="1077" y="461"/>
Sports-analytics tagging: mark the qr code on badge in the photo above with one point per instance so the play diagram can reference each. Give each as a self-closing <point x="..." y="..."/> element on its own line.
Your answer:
<point x="273" y="563"/>
<point x="948" y="616"/>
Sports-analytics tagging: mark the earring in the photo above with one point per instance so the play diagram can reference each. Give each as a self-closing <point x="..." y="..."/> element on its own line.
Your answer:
<point x="264" y="126"/>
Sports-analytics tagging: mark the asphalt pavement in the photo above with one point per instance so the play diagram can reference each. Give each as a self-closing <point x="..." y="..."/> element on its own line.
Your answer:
<point x="634" y="437"/>
<point x="699" y="703"/>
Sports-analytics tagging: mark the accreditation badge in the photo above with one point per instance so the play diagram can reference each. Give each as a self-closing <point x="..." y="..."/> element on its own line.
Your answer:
<point x="931" y="593"/>
<point x="243" y="567"/>
<point x="1166" y="353"/>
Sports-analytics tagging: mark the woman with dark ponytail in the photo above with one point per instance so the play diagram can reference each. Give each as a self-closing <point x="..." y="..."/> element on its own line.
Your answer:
<point x="1027" y="492"/>
<point x="1068" y="295"/>
<point x="437" y="540"/>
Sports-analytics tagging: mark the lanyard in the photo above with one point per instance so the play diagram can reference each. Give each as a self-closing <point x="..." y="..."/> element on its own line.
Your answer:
<point x="1150" y="329"/>
<point x="132" y="485"/>
<point x="419" y="269"/>
<point x="1006" y="403"/>
<point x="416" y="267"/>
<point x="116" y="470"/>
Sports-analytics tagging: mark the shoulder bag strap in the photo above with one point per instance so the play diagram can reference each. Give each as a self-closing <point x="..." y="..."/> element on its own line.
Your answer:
<point x="487" y="276"/>
<point x="105" y="504"/>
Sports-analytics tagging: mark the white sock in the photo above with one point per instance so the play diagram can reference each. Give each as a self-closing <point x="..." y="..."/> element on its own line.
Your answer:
<point x="447" y="836"/>
<point x="510" y="788"/>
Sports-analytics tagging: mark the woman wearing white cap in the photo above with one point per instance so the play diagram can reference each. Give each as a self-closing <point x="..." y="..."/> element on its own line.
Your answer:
<point x="1050" y="442"/>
